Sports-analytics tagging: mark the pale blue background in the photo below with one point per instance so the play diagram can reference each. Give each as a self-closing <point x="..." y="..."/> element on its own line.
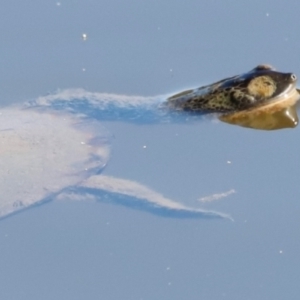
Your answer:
<point x="83" y="250"/>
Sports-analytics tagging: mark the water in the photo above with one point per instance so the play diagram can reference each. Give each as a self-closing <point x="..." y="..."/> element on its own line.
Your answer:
<point x="87" y="249"/>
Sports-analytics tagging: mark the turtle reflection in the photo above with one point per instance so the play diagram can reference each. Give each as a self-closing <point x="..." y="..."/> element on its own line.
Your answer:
<point x="271" y="117"/>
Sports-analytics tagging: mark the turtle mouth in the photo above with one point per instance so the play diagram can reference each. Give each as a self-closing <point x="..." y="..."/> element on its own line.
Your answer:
<point x="287" y="86"/>
<point x="288" y="91"/>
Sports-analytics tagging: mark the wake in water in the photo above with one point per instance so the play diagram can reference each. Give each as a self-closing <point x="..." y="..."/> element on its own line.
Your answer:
<point x="54" y="147"/>
<point x="112" y="107"/>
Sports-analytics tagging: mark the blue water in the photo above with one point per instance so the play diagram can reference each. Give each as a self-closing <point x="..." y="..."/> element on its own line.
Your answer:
<point x="91" y="250"/>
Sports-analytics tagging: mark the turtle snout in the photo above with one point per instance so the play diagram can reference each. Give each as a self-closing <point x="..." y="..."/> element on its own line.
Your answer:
<point x="291" y="77"/>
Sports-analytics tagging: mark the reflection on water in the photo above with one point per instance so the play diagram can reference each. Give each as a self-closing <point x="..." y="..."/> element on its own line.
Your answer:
<point x="274" y="116"/>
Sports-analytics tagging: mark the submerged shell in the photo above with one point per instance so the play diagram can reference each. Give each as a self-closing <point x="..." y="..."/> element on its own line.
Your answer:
<point x="43" y="153"/>
<point x="52" y="149"/>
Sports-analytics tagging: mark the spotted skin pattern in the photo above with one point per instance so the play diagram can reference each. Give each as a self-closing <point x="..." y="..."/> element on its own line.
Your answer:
<point x="255" y="88"/>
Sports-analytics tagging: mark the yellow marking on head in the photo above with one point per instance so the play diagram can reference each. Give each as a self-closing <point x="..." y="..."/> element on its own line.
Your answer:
<point x="262" y="86"/>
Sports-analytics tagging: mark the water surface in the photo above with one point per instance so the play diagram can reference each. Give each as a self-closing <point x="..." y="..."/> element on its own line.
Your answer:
<point x="86" y="249"/>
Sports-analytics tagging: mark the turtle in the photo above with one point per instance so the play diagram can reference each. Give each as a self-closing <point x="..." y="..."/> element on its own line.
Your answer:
<point x="54" y="146"/>
<point x="261" y="85"/>
<point x="261" y="98"/>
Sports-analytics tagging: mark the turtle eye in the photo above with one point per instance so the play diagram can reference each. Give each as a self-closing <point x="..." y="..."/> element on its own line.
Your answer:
<point x="267" y="83"/>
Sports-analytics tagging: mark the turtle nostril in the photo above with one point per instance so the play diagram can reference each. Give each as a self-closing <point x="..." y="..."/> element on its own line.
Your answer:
<point x="293" y="77"/>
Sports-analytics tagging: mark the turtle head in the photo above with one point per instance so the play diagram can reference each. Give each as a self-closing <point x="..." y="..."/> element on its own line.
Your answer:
<point x="265" y="83"/>
<point x="260" y="86"/>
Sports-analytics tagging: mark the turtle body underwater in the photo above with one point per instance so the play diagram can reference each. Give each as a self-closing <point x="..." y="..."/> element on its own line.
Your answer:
<point x="54" y="147"/>
<point x="243" y="97"/>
